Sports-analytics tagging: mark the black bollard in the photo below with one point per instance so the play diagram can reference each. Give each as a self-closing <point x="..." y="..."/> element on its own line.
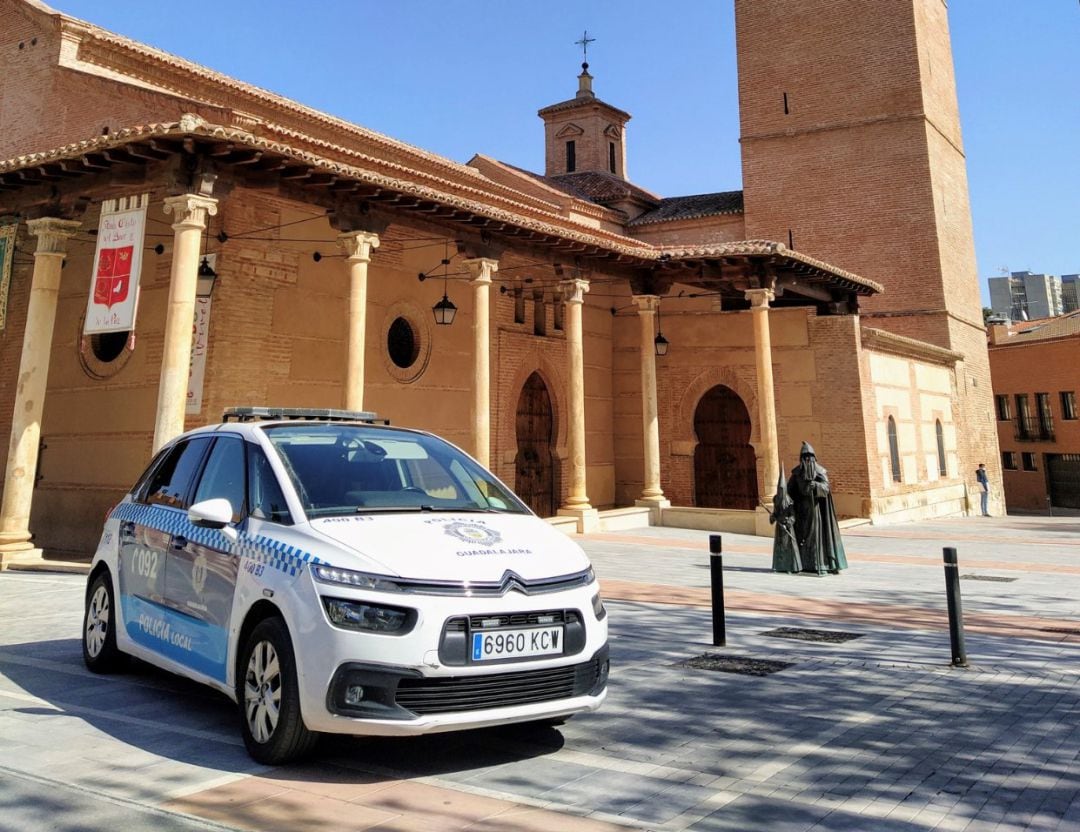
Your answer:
<point x="956" y="614"/>
<point x="716" y="572"/>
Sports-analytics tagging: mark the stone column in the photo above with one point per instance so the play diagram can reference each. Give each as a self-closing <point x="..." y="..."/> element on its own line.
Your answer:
<point x="768" y="444"/>
<point x="52" y="236"/>
<point x="577" y="501"/>
<point x="358" y="246"/>
<point x="652" y="495"/>
<point x="190" y="212"/>
<point x="481" y="269"/>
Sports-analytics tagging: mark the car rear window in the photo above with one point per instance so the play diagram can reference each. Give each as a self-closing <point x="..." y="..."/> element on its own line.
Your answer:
<point x="350" y="469"/>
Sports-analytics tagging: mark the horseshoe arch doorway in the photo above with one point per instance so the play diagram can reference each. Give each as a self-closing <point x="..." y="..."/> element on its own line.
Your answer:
<point x="725" y="469"/>
<point x="534" y="468"/>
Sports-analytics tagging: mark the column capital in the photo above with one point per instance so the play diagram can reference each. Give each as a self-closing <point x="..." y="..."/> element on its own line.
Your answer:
<point x="190" y="210"/>
<point x="574" y="289"/>
<point x="52" y="234"/>
<point x="358" y="245"/>
<point x="760" y="298"/>
<point x="481" y="268"/>
<point x="647" y="304"/>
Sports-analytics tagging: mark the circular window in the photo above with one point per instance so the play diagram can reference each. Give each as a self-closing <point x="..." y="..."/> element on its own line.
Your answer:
<point x="402" y="343"/>
<point x="104" y="354"/>
<point x="109" y="346"/>
<point x="406" y="331"/>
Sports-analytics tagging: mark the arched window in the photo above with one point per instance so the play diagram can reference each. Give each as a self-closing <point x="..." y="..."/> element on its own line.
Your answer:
<point x="942" y="469"/>
<point x="894" y="451"/>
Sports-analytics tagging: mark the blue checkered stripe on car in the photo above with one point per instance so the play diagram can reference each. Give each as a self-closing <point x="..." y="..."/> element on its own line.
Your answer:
<point x="273" y="553"/>
<point x="265" y="550"/>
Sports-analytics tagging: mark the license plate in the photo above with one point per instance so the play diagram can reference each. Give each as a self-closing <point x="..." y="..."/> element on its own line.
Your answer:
<point x="510" y="644"/>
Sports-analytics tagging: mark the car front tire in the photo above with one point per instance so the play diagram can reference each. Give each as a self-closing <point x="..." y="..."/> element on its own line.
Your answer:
<point x="269" y="697"/>
<point x="100" y="652"/>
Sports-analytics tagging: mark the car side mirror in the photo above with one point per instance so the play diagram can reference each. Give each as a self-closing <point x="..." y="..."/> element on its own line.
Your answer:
<point x="214" y="514"/>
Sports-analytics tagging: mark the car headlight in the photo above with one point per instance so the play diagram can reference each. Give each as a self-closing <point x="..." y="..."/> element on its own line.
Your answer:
<point x="348" y="577"/>
<point x="371" y="618"/>
<point x="598" y="607"/>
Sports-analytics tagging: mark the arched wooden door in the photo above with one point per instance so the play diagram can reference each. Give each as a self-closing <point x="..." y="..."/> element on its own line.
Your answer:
<point x="725" y="470"/>
<point x="534" y="475"/>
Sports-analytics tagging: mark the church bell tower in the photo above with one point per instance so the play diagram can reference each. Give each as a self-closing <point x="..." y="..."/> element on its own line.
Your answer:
<point x="584" y="135"/>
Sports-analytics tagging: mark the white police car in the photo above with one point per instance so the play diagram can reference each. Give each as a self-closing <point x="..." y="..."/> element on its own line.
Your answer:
<point x="334" y="574"/>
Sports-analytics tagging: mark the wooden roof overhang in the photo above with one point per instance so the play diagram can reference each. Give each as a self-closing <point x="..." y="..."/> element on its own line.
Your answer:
<point x="728" y="270"/>
<point x="365" y="190"/>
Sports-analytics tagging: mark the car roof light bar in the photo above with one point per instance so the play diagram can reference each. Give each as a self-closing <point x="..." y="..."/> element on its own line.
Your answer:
<point x="312" y="414"/>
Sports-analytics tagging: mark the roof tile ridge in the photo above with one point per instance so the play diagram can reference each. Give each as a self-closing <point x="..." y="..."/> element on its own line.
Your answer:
<point x="577" y="203"/>
<point x="176" y="62"/>
<point x="521" y="173"/>
<point x="770" y="247"/>
<point x="508" y="210"/>
<point x="707" y="193"/>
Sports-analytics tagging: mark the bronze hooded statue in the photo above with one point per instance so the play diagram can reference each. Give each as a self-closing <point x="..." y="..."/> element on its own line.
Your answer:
<point x="816" y="530"/>
<point x="785" y="552"/>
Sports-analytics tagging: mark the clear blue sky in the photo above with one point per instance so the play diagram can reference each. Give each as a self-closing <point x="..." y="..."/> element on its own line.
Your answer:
<point x="463" y="76"/>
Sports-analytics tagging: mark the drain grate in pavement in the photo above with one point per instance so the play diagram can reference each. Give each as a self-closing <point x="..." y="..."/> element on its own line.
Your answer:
<point x="735" y="664"/>
<point x="996" y="578"/>
<point x="804" y="634"/>
<point x="1069" y="631"/>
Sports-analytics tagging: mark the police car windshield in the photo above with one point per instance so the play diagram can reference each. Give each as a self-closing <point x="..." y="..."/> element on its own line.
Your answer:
<point x="347" y="469"/>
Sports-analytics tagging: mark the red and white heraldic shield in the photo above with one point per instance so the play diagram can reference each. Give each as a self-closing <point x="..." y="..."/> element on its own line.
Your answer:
<point x="117" y="262"/>
<point x="113" y="280"/>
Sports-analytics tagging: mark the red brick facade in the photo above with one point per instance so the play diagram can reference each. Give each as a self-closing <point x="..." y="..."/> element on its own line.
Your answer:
<point x="865" y="170"/>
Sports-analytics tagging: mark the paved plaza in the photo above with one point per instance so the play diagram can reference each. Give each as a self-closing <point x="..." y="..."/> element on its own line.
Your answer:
<point x="877" y="732"/>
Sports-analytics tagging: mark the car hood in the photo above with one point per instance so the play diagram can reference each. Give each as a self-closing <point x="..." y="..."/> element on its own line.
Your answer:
<point x="452" y="546"/>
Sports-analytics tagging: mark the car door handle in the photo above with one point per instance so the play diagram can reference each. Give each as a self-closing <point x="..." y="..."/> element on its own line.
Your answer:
<point x="179" y="541"/>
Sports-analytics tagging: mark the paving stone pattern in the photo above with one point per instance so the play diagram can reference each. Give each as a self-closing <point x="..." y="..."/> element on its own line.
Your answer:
<point x="876" y="733"/>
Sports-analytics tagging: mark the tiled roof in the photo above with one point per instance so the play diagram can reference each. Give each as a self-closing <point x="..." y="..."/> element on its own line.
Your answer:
<point x="600" y="187"/>
<point x="1043" y="328"/>
<point x="690" y="207"/>
<point x="752" y="248"/>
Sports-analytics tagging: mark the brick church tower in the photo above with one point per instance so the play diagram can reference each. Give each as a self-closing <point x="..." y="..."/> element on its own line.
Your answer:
<point x="851" y="152"/>
<point x="584" y="134"/>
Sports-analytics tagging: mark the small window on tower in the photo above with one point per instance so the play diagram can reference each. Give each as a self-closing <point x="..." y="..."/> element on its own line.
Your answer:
<point x="539" y="313"/>
<point x="519" y="305"/>
<point x="611" y="156"/>
<point x="571" y="157"/>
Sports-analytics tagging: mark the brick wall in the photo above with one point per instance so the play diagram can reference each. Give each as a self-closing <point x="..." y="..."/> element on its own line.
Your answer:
<point x="43" y="106"/>
<point x="591" y="151"/>
<point x="1048" y="366"/>
<point x="866" y="168"/>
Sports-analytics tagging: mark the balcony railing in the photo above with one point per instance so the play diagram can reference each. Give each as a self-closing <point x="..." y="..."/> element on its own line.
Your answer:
<point x="1033" y="429"/>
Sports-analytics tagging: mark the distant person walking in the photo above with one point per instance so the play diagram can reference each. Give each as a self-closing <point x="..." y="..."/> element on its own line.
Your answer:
<point x="984" y="488"/>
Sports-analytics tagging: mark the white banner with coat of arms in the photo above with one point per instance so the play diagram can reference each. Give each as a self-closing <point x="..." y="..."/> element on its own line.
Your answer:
<point x="117" y="262"/>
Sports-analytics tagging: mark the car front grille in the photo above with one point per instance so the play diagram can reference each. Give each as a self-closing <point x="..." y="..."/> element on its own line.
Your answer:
<point x="499" y="690"/>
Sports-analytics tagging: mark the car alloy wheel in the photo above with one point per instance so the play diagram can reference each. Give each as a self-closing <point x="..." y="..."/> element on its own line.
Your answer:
<point x="99" y="627"/>
<point x="262" y="691"/>
<point x="97" y="621"/>
<point x="269" y="697"/>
